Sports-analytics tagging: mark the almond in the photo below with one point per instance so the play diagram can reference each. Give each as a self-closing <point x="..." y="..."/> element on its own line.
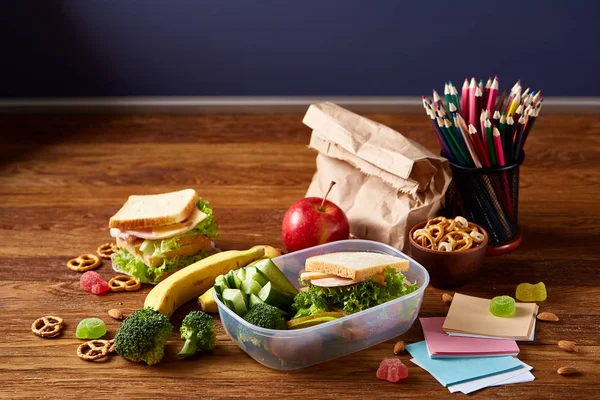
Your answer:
<point x="567" y="371"/>
<point x="567" y="345"/>
<point x="447" y="298"/>
<point x="115" y="313"/>
<point x="547" y="316"/>
<point x="399" y="347"/>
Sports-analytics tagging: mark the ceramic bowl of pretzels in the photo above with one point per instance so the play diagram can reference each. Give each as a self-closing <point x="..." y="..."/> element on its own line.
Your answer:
<point x="451" y="249"/>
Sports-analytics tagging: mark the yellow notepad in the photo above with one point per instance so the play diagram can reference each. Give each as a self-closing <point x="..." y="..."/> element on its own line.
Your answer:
<point x="471" y="315"/>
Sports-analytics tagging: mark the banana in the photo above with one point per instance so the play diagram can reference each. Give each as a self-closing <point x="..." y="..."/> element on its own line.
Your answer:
<point x="197" y="278"/>
<point x="270" y="252"/>
<point x="207" y="302"/>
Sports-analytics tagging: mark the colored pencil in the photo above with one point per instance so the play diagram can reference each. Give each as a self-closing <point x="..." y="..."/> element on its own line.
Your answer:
<point x="490" y="142"/>
<point x="473" y="114"/>
<point x="518" y="143"/>
<point x="500" y="101"/>
<point x="486" y="91"/>
<point x="516" y="101"/>
<point x="496" y="118"/>
<point x="508" y="139"/>
<point x="479" y="146"/>
<point x="469" y="143"/>
<point x="493" y="93"/>
<point x="464" y="100"/>
<point x="498" y="147"/>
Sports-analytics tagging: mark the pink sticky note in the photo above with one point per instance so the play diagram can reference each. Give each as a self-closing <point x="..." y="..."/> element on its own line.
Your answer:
<point x="441" y="345"/>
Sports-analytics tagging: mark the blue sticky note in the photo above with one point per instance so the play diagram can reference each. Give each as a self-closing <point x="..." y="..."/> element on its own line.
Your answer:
<point x="449" y="371"/>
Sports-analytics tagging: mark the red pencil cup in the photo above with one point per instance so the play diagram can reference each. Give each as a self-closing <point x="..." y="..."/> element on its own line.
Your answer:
<point x="488" y="197"/>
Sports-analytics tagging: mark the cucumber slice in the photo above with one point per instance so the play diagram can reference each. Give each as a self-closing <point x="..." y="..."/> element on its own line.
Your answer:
<point x="258" y="276"/>
<point x="250" y="286"/>
<point x="275" y="276"/>
<point x="220" y="285"/>
<point x="253" y="300"/>
<point x="272" y="296"/>
<point x="233" y="281"/>
<point x="241" y="274"/>
<point x="235" y="300"/>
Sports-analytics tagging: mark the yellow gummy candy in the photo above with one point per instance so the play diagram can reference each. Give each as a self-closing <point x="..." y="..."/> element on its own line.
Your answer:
<point x="529" y="292"/>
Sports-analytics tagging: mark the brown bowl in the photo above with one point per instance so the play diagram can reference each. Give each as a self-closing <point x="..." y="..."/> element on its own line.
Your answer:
<point x="448" y="269"/>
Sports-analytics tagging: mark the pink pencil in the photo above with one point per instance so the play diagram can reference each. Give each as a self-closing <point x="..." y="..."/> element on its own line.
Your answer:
<point x="491" y="101"/>
<point x="498" y="146"/>
<point x="464" y="99"/>
<point x="473" y="114"/>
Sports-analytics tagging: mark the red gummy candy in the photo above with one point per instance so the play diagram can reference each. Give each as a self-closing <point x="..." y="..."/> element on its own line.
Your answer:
<point x="100" y="287"/>
<point x="392" y="370"/>
<point x="88" y="279"/>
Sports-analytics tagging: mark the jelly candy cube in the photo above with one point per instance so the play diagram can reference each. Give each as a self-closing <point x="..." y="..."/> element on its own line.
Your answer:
<point x="89" y="279"/>
<point x="392" y="370"/>
<point x="90" y="328"/>
<point x="100" y="287"/>
<point x="529" y="292"/>
<point x="502" y="306"/>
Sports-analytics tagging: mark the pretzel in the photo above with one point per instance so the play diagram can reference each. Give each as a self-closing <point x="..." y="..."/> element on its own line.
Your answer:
<point x="440" y="232"/>
<point x="94" y="349"/>
<point x="106" y="250"/>
<point x="477" y="236"/>
<point x="436" y="221"/>
<point x="468" y="229"/>
<point x="461" y="222"/>
<point x="84" y="263"/>
<point x="125" y="283"/>
<point x="444" y="246"/>
<point x="47" y="327"/>
<point x="422" y="236"/>
<point x="459" y="240"/>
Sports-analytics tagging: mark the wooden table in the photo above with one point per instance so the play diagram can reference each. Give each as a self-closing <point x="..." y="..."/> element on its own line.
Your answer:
<point x="62" y="177"/>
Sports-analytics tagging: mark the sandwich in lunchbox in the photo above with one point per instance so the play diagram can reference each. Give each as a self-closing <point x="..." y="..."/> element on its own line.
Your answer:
<point x="161" y="233"/>
<point x="356" y="281"/>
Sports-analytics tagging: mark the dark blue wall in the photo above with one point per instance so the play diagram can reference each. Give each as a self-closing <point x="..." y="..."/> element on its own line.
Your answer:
<point x="291" y="48"/>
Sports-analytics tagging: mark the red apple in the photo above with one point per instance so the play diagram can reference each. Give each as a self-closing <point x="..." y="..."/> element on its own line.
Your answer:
<point x="312" y="221"/>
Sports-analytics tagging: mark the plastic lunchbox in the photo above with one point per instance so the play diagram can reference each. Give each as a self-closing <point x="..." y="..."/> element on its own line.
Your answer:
<point x="294" y="349"/>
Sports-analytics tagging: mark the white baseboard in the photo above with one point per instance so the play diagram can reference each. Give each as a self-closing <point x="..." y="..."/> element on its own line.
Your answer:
<point x="217" y="104"/>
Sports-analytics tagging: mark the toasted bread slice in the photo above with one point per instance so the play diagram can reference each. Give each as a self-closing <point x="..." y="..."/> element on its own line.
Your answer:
<point x="154" y="210"/>
<point x="190" y="245"/>
<point x="355" y="265"/>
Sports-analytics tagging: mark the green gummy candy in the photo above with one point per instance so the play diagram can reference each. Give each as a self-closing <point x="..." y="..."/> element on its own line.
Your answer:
<point x="90" y="328"/>
<point x="502" y="306"/>
<point x="529" y="292"/>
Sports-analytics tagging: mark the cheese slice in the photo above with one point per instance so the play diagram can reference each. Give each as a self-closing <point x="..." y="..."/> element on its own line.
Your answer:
<point x="308" y="276"/>
<point x="194" y="219"/>
<point x="167" y="231"/>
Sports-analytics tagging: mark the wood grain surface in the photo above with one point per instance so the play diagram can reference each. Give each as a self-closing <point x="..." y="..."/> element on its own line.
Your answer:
<point x="62" y="177"/>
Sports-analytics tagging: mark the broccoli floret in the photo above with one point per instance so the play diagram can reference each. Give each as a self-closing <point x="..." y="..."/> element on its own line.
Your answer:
<point x="142" y="336"/>
<point x="200" y="334"/>
<point x="309" y="303"/>
<point x="265" y="316"/>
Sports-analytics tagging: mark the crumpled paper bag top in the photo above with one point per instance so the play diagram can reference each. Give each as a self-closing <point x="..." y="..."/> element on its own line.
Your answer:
<point x="386" y="182"/>
<point x="372" y="147"/>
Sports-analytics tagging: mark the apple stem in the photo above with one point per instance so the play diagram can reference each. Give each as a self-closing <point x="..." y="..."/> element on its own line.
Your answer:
<point x="327" y="194"/>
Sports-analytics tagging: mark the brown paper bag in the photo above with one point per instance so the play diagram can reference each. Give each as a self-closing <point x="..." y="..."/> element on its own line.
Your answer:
<point x="386" y="183"/>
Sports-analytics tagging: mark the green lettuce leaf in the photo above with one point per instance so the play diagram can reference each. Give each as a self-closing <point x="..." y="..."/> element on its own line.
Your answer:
<point x="206" y="227"/>
<point x="130" y="265"/>
<point x="366" y="294"/>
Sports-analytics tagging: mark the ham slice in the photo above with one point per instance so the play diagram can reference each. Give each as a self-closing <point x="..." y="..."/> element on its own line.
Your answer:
<point x="161" y="232"/>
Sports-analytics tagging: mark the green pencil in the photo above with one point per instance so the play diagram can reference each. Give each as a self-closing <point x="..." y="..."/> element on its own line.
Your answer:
<point x="489" y="139"/>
